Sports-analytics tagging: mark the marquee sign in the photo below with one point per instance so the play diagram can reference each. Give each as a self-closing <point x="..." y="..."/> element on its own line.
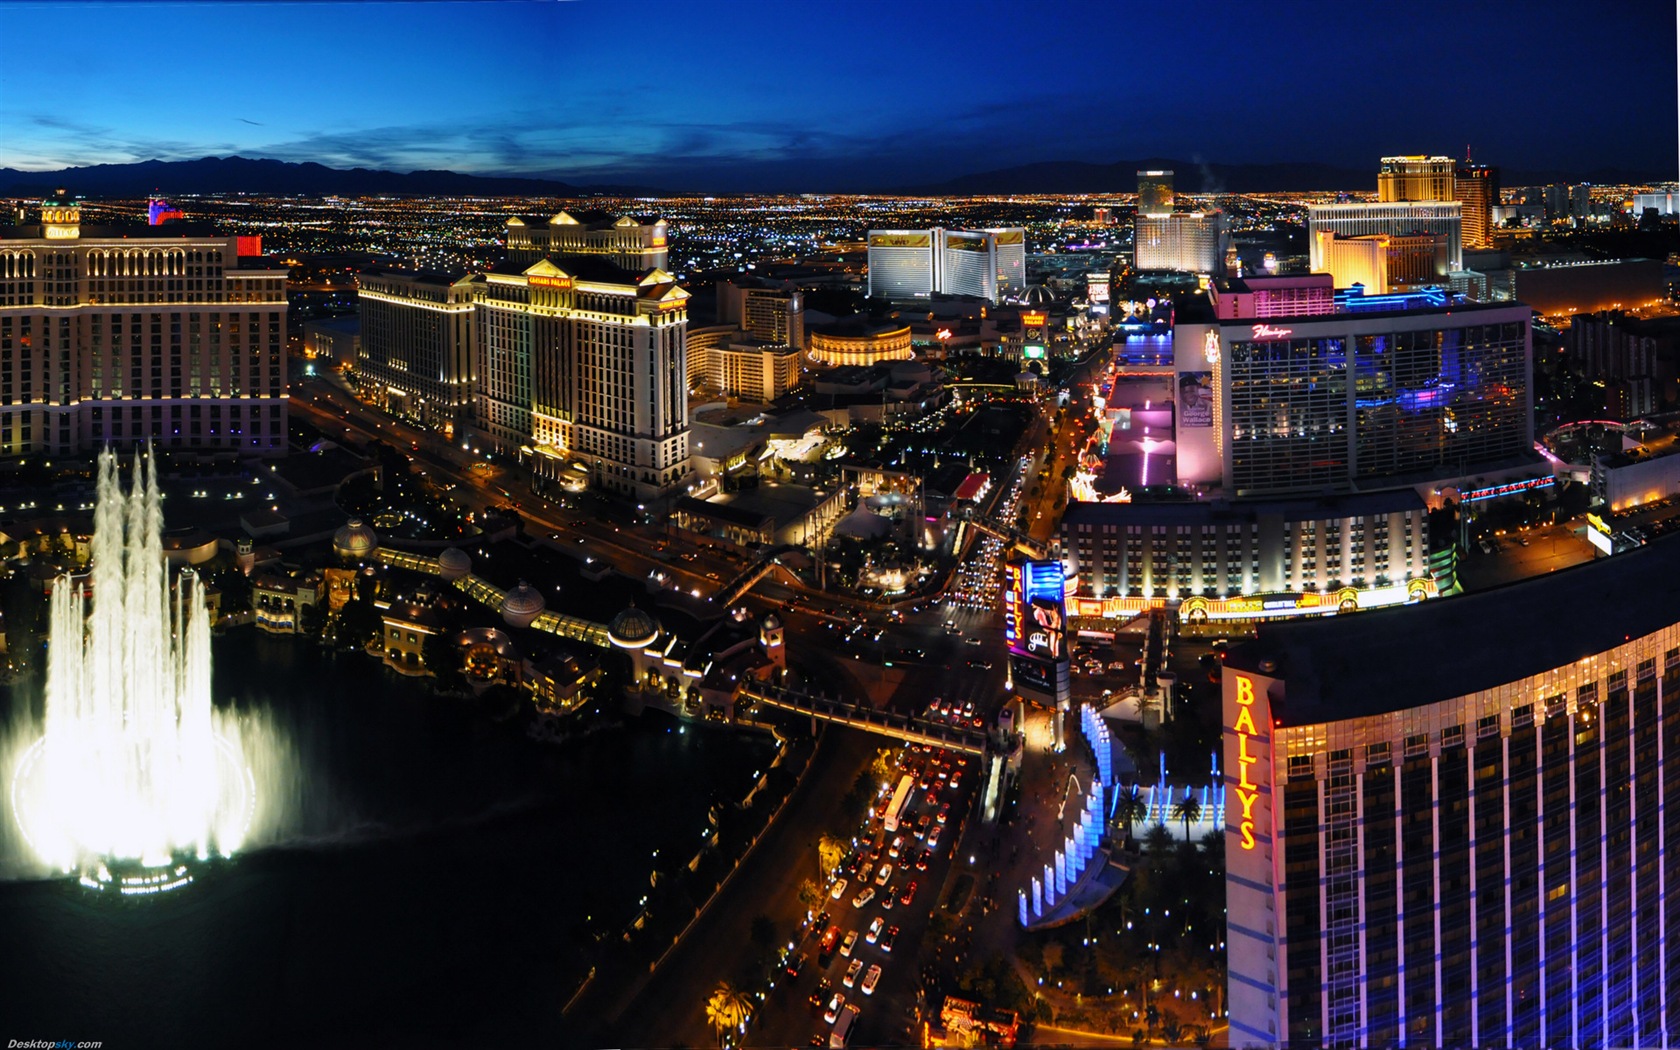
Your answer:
<point x="1266" y="331"/>
<point x="1248" y="792"/>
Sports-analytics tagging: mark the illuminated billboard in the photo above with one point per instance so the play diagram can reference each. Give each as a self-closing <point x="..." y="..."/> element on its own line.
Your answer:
<point x="1034" y="619"/>
<point x="1032" y="352"/>
<point x="1011" y="237"/>
<point x="1035" y="318"/>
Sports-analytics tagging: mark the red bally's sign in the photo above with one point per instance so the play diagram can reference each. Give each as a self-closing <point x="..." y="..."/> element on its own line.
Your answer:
<point x="1248" y="792"/>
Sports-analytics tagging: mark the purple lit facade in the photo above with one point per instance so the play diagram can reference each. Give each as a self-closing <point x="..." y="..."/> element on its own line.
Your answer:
<point x="1450" y="825"/>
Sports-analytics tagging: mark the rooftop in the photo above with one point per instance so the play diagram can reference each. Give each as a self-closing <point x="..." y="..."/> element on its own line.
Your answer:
<point x="1386" y="660"/>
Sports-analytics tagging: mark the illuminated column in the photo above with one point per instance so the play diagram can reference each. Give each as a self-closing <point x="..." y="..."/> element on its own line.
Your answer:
<point x="1021" y="901"/>
<point x="1061" y="874"/>
<point x="1079" y="843"/>
<point x="1049" y="885"/>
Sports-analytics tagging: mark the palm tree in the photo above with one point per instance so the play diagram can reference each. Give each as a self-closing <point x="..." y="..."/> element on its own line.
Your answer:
<point x="829" y="852"/>
<point x="1130" y="808"/>
<point x="1187" y="809"/>
<point x="882" y="766"/>
<point x="727" y="1009"/>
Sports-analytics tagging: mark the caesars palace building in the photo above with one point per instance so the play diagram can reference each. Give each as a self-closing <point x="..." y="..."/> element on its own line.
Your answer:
<point x="1448" y="825"/>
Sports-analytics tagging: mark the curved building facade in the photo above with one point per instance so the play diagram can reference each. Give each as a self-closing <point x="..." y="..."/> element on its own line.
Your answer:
<point x="838" y="345"/>
<point x="1449" y="825"/>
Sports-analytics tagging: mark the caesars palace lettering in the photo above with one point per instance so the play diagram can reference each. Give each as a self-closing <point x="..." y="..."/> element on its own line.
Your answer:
<point x="1247" y="791"/>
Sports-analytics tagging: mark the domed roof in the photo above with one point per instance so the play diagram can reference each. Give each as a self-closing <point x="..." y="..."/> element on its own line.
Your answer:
<point x="1038" y="295"/>
<point x="522" y="605"/>
<point x="355" y="540"/>
<point x="633" y="628"/>
<point x="772" y="621"/>
<point x="454" y="563"/>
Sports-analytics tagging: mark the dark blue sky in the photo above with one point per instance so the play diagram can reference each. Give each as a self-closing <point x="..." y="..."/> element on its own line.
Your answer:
<point x="759" y="94"/>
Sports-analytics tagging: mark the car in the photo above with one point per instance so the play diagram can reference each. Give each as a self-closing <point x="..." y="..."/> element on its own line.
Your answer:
<point x="819" y="922"/>
<point x="848" y="944"/>
<point x="852" y="971"/>
<point x="909" y="894"/>
<point x="871" y="979"/>
<point x="863" y="873"/>
<point x="835" y="1005"/>
<point x="944" y="813"/>
<point x="838" y="891"/>
<point x="874" y="933"/>
<point x="830" y="939"/>
<point x="884" y="874"/>
<point x="897" y="845"/>
<point x="889" y="897"/>
<point x="795" y="964"/>
<point x="933" y="839"/>
<point x="973" y="641"/>
<point x="825" y="988"/>
<point x="864" y="898"/>
<point x="888" y="938"/>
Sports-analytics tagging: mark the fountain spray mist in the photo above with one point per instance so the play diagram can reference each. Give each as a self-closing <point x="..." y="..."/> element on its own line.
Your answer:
<point x="135" y="771"/>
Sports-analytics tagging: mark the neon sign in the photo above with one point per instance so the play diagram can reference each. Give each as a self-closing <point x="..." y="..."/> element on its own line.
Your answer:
<point x="1248" y="792"/>
<point x="1495" y="491"/>
<point x="1210" y="346"/>
<point x="1266" y="331"/>
<point x="551" y="282"/>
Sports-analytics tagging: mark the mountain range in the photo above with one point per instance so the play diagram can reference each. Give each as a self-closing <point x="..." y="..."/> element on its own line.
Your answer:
<point x="275" y="177"/>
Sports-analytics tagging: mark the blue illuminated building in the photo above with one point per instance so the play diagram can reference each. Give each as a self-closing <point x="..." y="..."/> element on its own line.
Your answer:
<point x="1450" y="825"/>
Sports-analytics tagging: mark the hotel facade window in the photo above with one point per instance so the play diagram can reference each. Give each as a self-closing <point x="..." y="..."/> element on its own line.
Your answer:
<point x="1465" y="839"/>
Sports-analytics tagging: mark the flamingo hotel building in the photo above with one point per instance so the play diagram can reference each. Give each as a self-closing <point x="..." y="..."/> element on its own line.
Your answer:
<point x="1454" y="825"/>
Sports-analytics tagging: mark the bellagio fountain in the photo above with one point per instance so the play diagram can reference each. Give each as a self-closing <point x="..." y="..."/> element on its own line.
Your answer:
<point x="136" y="780"/>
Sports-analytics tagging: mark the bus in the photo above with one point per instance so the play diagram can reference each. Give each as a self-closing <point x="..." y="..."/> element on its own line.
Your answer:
<point x="842" y="1034"/>
<point x="900" y="799"/>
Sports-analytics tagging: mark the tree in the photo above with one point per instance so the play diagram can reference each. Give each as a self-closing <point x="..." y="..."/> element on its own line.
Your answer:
<point x="1159" y="842"/>
<point x="1130" y="808"/>
<point x="829" y="852"/>
<point x="727" y="1010"/>
<point x="1187" y="809"/>
<point x="359" y="623"/>
<point x="443" y="658"/>
<point x="810" y="894"/>
<point x="881" y="768"/>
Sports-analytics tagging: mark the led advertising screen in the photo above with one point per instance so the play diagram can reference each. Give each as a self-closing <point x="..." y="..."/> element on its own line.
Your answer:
<point x="1034" y="618"/>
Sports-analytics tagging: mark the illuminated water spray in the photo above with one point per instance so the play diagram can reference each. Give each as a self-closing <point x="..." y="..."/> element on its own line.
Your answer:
<point x="136" y="777"/>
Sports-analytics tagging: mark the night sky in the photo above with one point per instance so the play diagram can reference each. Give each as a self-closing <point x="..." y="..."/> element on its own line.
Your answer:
<point x="784" y="94"/>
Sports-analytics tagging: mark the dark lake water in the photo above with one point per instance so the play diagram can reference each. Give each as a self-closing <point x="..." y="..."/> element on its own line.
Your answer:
<point x="429" y="886"/>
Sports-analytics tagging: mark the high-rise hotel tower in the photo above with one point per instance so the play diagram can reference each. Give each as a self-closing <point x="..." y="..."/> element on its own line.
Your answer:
<point x="580" y="360"/>
<point x="167" y="333"/>
<point x="916" y="264"/>
<point x="1454" y="825"/>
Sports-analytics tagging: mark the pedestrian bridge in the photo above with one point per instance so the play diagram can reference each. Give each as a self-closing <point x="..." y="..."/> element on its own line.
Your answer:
<point x="908" y="728"/>
<point x="1012" y="536"/>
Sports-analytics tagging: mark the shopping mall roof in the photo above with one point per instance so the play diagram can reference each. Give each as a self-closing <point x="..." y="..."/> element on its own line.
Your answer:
<point x="1375" y="662"/>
